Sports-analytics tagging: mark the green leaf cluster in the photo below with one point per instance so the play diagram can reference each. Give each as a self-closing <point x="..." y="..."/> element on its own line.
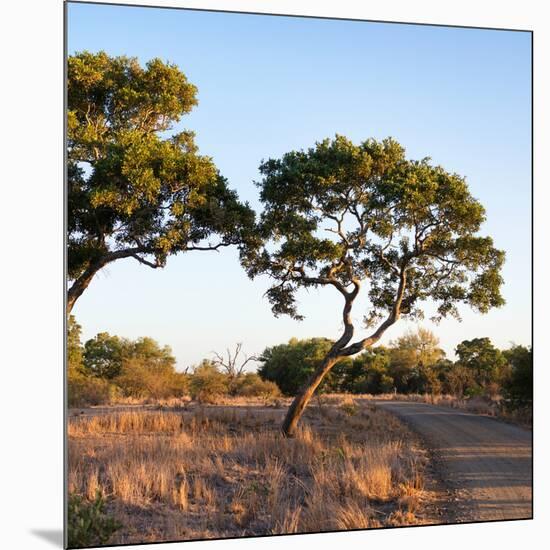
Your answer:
<point x="135" y="187"/>
<point x="342" y="214"/>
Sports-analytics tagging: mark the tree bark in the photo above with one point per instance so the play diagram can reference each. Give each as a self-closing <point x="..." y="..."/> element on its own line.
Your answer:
<point x="301" y="400"/>
<point x="339" y="351"/>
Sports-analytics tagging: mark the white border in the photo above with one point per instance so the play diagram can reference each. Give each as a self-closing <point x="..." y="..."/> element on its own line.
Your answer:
<point x="32" y="274"/>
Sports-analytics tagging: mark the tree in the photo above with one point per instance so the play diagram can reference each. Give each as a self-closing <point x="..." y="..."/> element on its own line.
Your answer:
<point x="412" y="357"/>
<point x="518" y="388"/>
<point x="482" y="358"/>
<point x="74" y="346"/>
<point x="423" y="344"/>
<point x="148" y="370"/>
<point x="368" y="372"/>
<point x="290" y="365"/>
<point x="454" y="378"/>
<point x="133" y="192"/>
<point x="103" y="355"/>
<point x="340" y="214"/>
<point x="82" y="389"/>
<point x="250" y="384"/>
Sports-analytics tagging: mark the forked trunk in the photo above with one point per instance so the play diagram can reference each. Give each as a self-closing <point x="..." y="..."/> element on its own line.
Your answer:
<point x="301" y="400"/>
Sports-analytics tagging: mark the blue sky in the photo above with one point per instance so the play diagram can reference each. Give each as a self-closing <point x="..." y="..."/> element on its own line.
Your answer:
<point x="268" y="85"/>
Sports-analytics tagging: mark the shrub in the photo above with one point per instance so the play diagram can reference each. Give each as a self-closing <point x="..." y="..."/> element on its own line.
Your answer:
<point x="251" y="385"/>
<point x="349" y="407"/>
<point x="88" y="524"/>
<point x="87" y="390"/>
<point x="207" y="383"/>
<point x="142" y="379"/>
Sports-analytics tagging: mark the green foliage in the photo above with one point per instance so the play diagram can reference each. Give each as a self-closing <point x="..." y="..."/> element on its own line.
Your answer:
<point x="482" y="358"/>
<point x="368" y="372"/>
<point x="518" y="388"/>
<point x="83" y="389"/>
<point x="88" y="523"/>
<point x="113" y="367"/>
<point x="148" y="371"/>
<point x="103" y="355"/>
<point x="134" y="190"/>
<point x="141" y="379"/>
<point x="290" y="365"/>
<point x="340" y="213"/>
<point x="454" y="379"/>
<point x="413" y="357"/>
<point x="74" y="346"/>
<point x="207" y="383"/>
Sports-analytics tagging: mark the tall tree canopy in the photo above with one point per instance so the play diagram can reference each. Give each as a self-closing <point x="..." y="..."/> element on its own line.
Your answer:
<point x="481" y="357"/>
<point x="134" y="191"/>
<point x="341" y="214"/>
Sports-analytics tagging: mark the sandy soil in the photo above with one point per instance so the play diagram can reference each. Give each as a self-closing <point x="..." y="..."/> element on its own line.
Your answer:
<point x="486" y="461"/>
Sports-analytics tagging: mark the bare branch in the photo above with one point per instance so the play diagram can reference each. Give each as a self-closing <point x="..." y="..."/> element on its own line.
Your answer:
<point x="143" y="261"/>
<point x="231" y="364"/>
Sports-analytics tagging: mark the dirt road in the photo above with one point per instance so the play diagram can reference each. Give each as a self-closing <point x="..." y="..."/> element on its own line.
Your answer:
<point x="488" y="462"/>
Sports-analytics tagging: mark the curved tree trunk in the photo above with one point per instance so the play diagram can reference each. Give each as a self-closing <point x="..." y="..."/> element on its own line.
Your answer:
<point x="81" y="284"/>
<point x="301" y="400"/>
<point x="338" y="351"/>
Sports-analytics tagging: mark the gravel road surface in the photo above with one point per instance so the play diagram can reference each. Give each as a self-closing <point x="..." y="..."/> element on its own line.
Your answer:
<point x="487" y="461"/>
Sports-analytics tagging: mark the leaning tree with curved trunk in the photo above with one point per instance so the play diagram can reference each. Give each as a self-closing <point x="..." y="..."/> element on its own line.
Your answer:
<point x="134" y="191"/>
<point x="363" y="217"/>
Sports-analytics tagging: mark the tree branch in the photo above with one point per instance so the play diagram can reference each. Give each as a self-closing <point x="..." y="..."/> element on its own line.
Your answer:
<point x="391" y="319"/>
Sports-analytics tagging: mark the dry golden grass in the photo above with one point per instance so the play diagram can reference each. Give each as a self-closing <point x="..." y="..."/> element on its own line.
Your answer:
<point x="207" y="472"/>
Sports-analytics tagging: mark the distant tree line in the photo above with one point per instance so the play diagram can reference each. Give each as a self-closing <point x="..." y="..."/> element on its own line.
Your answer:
<point x="414" y="363"/>
<point x="107" y="368"/>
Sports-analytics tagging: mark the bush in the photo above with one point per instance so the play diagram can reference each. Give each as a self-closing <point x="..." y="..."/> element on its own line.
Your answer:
<point x="85" y="390"/>
<point x="349" y="407"/>
<point x="142" y="379"/>
<point x="251" y="385"/>
<point x="88" y="524"/>
<point x="207" y="384"/>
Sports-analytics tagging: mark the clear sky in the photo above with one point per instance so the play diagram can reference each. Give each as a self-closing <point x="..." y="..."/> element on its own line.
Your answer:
<point x="268" y="85"/>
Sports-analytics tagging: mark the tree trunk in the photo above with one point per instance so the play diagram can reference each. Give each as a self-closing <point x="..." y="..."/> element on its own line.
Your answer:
<point x="80" y="285"/>
<point x="300" y="402"/>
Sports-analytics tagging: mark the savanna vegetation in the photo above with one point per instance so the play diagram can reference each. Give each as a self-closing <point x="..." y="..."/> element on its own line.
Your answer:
<point x="209" y="472"/>
<point x="234" y="445"/>
<point x="109" y="370"/>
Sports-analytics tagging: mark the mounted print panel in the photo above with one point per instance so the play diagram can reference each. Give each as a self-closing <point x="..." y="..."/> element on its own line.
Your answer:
<point x="299" y="275"/>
